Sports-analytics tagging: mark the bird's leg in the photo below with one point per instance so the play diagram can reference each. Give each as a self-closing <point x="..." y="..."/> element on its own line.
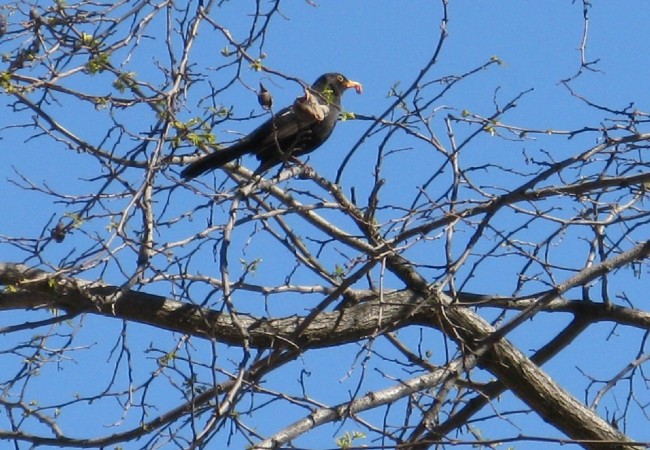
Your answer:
<point x="287" y="155"/>
<point x="307" y="171"/>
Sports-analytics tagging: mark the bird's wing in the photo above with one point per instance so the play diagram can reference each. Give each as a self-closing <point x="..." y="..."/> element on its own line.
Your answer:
<point x="286" y="134"/>
<point x="283" y="127"/>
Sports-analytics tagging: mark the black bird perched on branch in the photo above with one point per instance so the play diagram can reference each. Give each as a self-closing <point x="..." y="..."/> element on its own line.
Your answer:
<point x="293" y="131"/>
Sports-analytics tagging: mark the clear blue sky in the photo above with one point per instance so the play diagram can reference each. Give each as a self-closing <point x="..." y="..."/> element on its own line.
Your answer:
<point x="379" y="43"/>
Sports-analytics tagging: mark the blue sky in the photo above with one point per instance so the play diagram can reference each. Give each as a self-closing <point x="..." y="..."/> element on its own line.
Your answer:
<point x="381" y="44"/>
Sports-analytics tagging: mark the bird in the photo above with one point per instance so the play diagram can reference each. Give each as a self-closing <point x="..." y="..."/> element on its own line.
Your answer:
<point x="264" y="98"/>
<point x="293" y="131"/>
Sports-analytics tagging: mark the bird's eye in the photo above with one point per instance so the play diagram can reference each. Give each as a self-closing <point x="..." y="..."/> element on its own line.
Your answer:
<point x="339" y="78"/>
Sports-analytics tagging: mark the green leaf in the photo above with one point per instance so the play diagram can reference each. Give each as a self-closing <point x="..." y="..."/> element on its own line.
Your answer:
<point x="257" y="65"/>
<point x="346" y="441"/>
<point x="329" y="95"/>
<point x="97" y="64"/>
<point x="347" y="116"/>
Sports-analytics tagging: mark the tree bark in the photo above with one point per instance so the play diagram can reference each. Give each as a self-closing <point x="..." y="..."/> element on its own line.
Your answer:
<point x="29" y="288"/>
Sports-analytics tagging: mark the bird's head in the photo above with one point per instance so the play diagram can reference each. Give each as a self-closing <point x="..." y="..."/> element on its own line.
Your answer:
<point x="333" y="85"/>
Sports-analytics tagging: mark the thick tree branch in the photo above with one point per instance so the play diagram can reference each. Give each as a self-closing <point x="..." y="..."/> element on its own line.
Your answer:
<point x="34" y="288"/>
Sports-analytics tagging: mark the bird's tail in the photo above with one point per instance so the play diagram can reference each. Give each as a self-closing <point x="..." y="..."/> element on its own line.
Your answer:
<point x="213" y="161"/>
